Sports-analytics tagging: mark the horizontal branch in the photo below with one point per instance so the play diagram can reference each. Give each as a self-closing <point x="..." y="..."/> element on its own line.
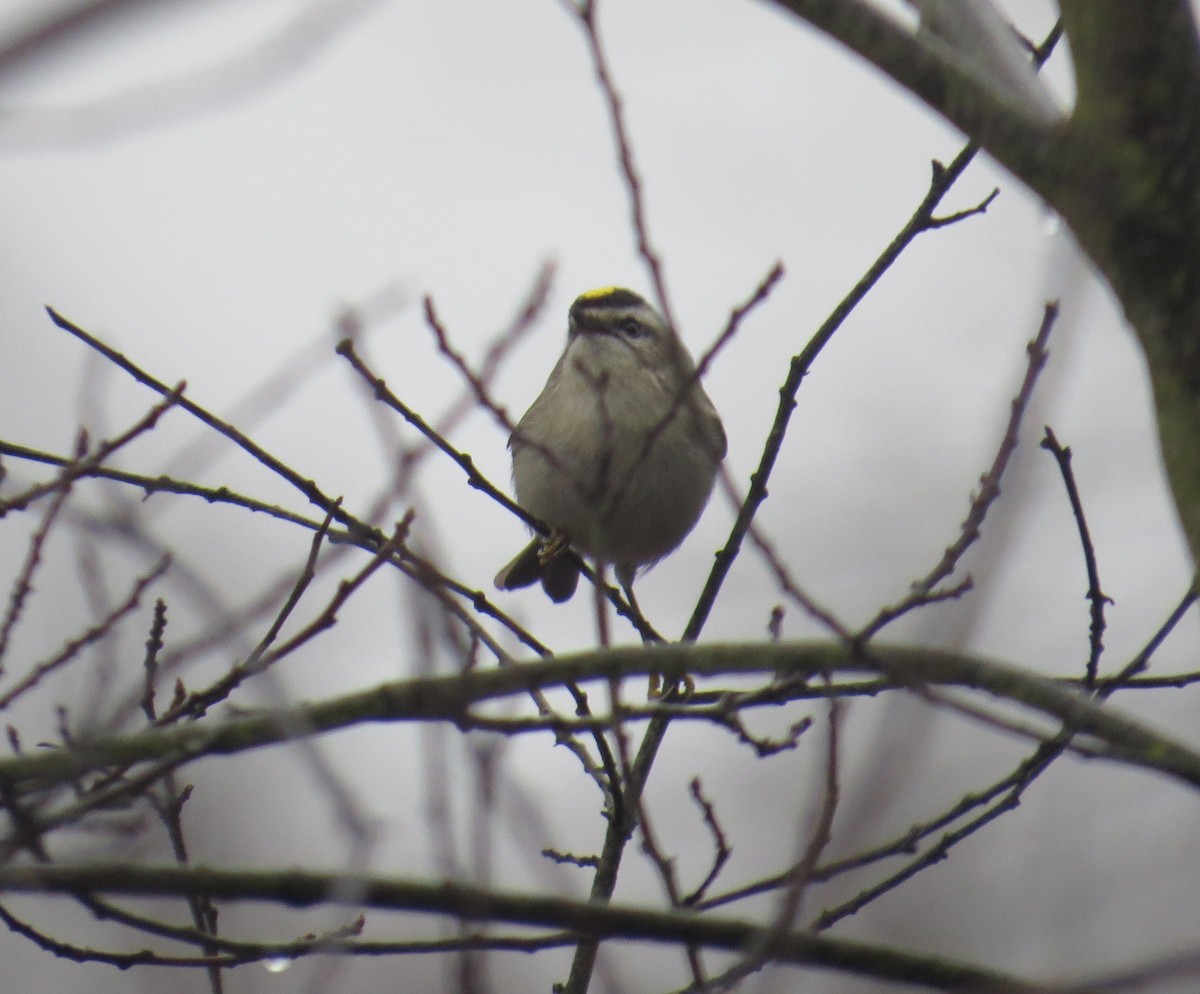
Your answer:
<point x="448" y="698"/>
<point x="304" y="889"/>
<point x="150" y="485"/>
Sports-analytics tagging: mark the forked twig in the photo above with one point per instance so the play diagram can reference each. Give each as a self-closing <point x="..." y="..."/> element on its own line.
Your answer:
<point x="97" y="631"/>
<point x="86" y="462"/>
<point x="306" y="487"/>
<point x="926" y="590"/>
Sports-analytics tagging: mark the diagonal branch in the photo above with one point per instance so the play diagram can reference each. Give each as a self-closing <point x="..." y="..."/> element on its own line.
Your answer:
<point x="1016" y="135"/>
<point x="980" y="33"/>
<point x="308" y="488"/>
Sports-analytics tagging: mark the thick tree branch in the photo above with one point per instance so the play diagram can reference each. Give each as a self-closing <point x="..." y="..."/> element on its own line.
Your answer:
<point x="1015" y="133"/>
<point x="1124" y="172"/>
<point x="980" y="33"/>
<point x="448" y="698"/>
<point x="1155" y="50"/>
<point x="303" y="889"/>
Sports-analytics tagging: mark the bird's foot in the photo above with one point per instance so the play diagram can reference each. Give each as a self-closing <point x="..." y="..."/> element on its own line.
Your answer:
<point x="553" y="546"/>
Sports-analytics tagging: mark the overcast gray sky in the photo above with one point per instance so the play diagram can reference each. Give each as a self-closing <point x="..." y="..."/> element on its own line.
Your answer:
<point x="206" y="187"/>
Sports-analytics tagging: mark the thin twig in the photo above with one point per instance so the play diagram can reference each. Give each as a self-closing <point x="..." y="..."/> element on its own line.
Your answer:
<point x="308" y="488"/>
<point x="684" y="393"/>
<point x="1096" y="596"/>
<point x="476" y="383"/>
<point x="164" y="484"/>
<point x="721" y="849"/>
<point x="263" y="657"/>
<point x="154" y="646"/>
<point x="475" y="479"/>
<point x="1011" y="786"/>
<point x="943" y="179"/>
<point x="585" y="13"/>
<point x="86" y="462"/>
<point x="500" y="347"/>
<point x="479" y="482"/>
<point x="23" y="583"/>
<point x="1009" y="790"/>
<point x="800" y="876"/>
<point x="98" y="631"/>
<point x="925" y="590"/>
<point x="1126" y="677"/>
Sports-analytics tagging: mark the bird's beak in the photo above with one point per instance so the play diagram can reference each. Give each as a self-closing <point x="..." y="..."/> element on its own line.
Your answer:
<point x="584" y="323"/>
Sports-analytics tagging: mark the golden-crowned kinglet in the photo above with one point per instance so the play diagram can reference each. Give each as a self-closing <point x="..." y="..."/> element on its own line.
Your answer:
<point x="619" y="452"/>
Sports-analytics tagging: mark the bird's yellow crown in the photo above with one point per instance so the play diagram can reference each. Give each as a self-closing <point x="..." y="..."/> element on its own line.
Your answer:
<point x="610" y="296"/>
<point x="602" y="291"/>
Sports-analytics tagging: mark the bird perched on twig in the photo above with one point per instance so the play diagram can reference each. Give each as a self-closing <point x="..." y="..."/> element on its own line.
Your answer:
<point x="618" y="453"/>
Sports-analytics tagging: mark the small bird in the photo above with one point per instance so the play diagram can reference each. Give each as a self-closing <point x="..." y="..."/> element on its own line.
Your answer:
<point x="619" y="452"/>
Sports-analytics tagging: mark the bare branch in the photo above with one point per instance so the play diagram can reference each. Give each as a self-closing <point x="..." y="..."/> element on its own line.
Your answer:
<point x="585" y="13"/>
<point x="300" y="889"/>
<point x="307" y="487"/>
<point x="160" y="484"/>
<point x="925" y="590"/>
<point x="23" y="583"/>
<point x="447" y="698"/>
<point x="922" y="220"/>
<point x="1017" y="133"/>
<point x="1097" y="597"/>
<point x="85" y="463"/>
<point x="98" y="631"/>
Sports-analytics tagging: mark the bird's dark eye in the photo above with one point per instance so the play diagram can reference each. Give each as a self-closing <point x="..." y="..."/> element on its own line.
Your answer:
<point x="631" y="327"/>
